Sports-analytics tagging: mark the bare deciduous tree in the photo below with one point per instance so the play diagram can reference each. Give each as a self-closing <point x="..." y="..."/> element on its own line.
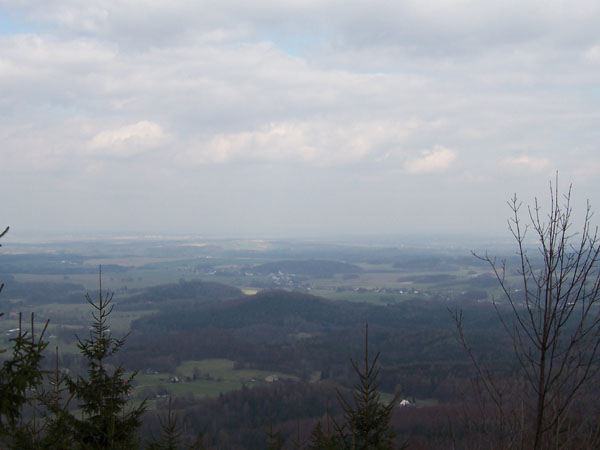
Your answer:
<point x="2" y="284"/>
<point x="553" y="320"/>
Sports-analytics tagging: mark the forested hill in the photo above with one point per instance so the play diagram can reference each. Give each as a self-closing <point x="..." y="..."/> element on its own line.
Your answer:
<point x="293" y="312"/>
<point x="303" y="334"/>
<point x="185" y="294"/>
<point x="312" y="267"/>
<point x="39" y="292"/>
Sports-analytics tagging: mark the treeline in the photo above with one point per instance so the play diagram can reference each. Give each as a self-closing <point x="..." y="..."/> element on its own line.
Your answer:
<point x="36" y="410"/>
<point x="291" y="332"/>
<point x="53" y="264"/>
<point x="302" y="334"/>
<point x="43" y="292"/>
<point x="35" y="404"/>
<point x="184" y="295"/>
<point x="242" y="419"/>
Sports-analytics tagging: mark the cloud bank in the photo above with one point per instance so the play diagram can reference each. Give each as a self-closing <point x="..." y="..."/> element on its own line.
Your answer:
<point x="322" y="95"/>
<point x="436" y="160"/>
<point x="129" y="140"/>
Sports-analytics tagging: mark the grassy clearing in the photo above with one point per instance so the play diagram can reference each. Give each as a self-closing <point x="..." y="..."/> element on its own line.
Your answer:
<point x="249" y="291"/>
<point x="80" y="314"/>
<point x="63" y="316"/>
<point x="213" y="376"/>
<point x="224" y="369"/>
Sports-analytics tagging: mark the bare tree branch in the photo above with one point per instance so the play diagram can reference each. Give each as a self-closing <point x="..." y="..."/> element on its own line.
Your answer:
<point x="555" y="329"/>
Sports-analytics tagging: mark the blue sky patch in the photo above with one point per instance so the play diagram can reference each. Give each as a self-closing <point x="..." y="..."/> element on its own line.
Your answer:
<point x="9" y="24"/>
<point x="295" y="44"/>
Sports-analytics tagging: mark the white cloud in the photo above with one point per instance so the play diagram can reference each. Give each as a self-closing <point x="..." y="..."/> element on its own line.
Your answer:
<point x="319" y="143"/>
<point x="329" y="87"/>
<point x="431" y="27"/>
<point x="436" y="160"/>
<point x="526" y="162"/>
<point x="593" y="54"/>
<point x="129" y="140"/>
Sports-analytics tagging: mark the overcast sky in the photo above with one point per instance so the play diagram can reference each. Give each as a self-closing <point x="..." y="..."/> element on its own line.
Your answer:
<point x="293" y="118"/>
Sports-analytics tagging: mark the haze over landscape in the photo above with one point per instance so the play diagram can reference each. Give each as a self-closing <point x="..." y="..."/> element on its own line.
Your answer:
<point x="243" y="225"/>
<point x="293" y="118"/>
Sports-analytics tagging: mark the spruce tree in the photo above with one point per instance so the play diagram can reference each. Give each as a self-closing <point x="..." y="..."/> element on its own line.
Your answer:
<point x="57" y="427"/>
<point x="106" y="421"/>
<point x="319" y="440"/>
<point x="273" y="437"/>
<point x="20" y="376"/>
<point x="366" y="421"/>
<point x="171" y="431"/>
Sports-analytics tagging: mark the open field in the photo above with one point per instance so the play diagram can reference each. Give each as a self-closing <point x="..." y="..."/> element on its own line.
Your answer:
<point x="133" y="278"/>
<point x="205" y="378"/>
<point x="62" y="318"/>
<point x="137" y="264"/>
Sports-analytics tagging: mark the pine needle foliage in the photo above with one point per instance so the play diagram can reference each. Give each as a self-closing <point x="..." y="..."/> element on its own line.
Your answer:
<point x="171" y="430"/>
<point x="57" y="427"/>
<point x="20" y="375"/>
<point x="106" y="422"/>
<point x="367" y="419"/>
<point x="319" y="440"/>
<point x="273" y="436"/>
